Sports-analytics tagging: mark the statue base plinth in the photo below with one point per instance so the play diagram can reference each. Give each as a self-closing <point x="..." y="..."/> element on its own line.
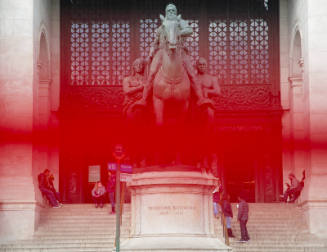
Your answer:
<point x="172" y="211"/>
<point x="173" y="243"/>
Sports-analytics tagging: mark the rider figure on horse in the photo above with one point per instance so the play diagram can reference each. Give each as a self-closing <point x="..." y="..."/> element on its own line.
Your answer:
<point x="155" y="56"/>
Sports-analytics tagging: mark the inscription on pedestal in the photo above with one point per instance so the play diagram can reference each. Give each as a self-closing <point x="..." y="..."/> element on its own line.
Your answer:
<point x="179" y="213"/>
<point x="172" y="209"/>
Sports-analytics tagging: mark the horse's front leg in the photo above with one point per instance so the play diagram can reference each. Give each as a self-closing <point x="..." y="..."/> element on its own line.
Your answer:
<point x="185" y="108"/>
<point x="158" y="106"/>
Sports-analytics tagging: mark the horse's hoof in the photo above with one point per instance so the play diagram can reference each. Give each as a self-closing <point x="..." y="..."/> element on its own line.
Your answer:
<point x="205" y="103"/>
<point x="138" y="107"/>
<point x="139" y="104"/>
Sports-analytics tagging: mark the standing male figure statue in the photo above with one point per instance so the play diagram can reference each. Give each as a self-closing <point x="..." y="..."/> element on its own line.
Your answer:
<point x="209" y="87"/>
<point x="156" y="55"/>
<point x="133" y="87"/>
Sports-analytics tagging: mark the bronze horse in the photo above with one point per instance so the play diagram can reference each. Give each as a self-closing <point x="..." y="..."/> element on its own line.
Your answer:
<point x="171" y="83"/>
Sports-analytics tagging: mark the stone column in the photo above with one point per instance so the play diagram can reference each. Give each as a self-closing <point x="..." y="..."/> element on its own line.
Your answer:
<point x="17" y="195"/>
<point x="316" y="76"/>
<point x="306" y="19"/>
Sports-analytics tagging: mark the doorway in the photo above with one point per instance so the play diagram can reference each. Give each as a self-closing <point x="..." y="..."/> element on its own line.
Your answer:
<point x="239" y="176"/>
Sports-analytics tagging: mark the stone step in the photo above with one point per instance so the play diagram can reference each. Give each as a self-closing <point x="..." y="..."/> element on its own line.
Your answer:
<point x="60" y="245"/>
<point x="76" y="236"/>
<point x="81" y="214"/>
<point x="278" y="249"/>
<point x="61" y="239"/>
<point x="62" y="249"/>
<point x="90" y="206"/>
<point x="85" y="220"/>
<point x="81" y="232"/>
<point x="81" y="218"/>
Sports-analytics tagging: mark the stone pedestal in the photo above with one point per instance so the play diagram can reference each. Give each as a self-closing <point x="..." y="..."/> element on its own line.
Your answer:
<point x="19" y="212"/>
<point x="172" y="211"/>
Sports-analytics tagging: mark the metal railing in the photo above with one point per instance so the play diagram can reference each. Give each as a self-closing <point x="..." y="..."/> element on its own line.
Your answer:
<point x="225" y="232"/>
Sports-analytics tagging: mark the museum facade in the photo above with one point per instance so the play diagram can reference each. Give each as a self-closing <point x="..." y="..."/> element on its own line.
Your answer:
<point x="62" y="67"/>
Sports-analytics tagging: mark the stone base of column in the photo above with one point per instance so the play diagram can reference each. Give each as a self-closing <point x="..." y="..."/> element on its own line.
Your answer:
<point x="316" y="216"/>
<point x="172" y="211"/>
<point x="18" y="219"/>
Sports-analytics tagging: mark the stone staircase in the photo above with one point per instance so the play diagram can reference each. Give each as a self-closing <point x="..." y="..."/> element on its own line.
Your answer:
<point x="74" y="227"/>
<point x="274" y="227"/>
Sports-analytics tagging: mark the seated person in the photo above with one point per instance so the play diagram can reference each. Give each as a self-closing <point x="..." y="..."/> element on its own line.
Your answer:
<point x="294" y="189"/>
<point x="46" y="189"/>
<point x="98" y="194"/>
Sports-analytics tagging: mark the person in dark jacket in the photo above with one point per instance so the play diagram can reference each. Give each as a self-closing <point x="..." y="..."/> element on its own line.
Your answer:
<point x="243" y="216"/>
<point x="293" y="189"/>
<point x="111" y="186"/>
<point x="53" y="189"/>
<point x="44" y="186"/>
<point x="228" y="213"/>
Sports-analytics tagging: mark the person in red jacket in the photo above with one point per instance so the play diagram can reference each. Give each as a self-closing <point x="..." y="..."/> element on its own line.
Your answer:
<point x="228" y="213"/>
<point x="216" y="198"/>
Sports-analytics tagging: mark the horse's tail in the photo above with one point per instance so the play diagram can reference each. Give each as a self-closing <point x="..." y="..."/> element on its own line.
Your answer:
<point x="303" y="176"/>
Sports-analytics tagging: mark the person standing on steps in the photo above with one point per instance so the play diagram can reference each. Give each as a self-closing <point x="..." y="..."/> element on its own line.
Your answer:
<point x="243" y="216"/>
<point x="111" y="190"/>
<point x="216" y="198"/>
<point x="228" y="213"/>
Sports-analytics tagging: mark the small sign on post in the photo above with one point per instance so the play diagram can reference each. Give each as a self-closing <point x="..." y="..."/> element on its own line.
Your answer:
<point x="123" y="167"/>
<point x="94" y="173"/>
<point x="125" y="177"/>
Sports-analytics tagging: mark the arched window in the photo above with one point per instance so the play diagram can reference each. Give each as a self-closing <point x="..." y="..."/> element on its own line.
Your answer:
<point x="296" y="58"/>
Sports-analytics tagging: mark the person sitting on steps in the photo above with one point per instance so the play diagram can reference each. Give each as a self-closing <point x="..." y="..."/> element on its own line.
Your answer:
<point x="294" y="189"/>
<point x="98" y="193"/>
<point x="53" y="189"/>
<point x="46" y="190"/>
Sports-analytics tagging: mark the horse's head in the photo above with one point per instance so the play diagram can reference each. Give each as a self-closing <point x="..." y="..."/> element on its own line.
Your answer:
<point x="172" y="32"/>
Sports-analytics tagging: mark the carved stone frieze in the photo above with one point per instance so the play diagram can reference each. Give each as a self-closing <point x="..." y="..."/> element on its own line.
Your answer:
<point x="110" y="99"/>
<point x="246" y="97"/>
<point x="93" y="99"/>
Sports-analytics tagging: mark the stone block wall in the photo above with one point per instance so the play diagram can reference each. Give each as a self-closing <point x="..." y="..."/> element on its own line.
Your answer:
<point x="305" y="117"/>
<point x="17" y="198"/>
<point x="21" y="100"/>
